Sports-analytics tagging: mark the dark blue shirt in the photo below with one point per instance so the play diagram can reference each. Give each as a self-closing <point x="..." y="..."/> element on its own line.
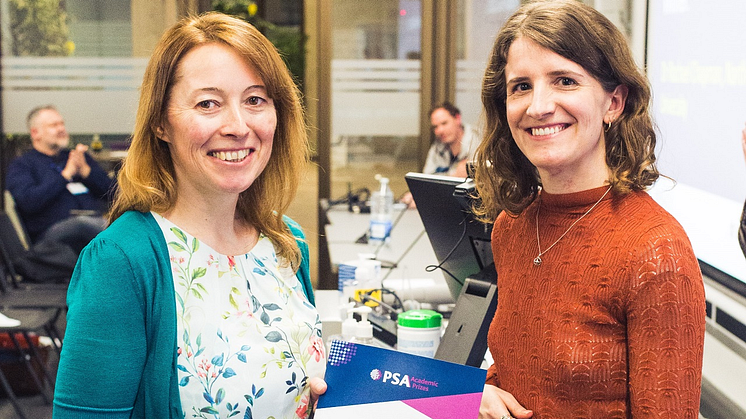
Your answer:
<point x="41" y="194"/>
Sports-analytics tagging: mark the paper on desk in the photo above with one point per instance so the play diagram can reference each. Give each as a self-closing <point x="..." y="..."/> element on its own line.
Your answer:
<point x="6" y="321"/>
<point x="369" y="382"/>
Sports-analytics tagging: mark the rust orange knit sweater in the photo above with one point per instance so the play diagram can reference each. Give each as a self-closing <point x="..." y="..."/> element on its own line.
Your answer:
<point x="611" y="324"/>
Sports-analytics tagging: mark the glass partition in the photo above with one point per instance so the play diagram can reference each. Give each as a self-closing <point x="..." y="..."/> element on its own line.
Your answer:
<point x="375" y="93"/>
<point x="76" y="55"/>
<point x="477" y="25"/>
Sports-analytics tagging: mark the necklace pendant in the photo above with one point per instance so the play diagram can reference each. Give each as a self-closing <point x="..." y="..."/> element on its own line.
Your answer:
<point x="537" y="260"/>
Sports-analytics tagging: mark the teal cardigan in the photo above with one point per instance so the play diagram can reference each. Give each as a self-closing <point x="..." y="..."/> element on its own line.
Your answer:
<point x="119" y="355"/>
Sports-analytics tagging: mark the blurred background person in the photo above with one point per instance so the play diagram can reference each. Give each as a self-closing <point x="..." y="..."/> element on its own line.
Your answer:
<point x="206" y="280"/>
<point x="455" y="142"/>
<point x="60" y="194"/>
<point x="601" y="311"/>
<point x="454" y="146"/>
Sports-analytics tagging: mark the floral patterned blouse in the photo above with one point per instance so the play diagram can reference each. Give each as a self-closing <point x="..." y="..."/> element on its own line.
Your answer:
<point x="248" y="339"/>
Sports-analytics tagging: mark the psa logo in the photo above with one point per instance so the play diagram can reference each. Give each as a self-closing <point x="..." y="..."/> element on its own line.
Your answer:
<point x="393" y="378"/>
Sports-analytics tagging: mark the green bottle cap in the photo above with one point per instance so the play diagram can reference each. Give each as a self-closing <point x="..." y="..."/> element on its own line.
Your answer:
<point x="420" y="319"/>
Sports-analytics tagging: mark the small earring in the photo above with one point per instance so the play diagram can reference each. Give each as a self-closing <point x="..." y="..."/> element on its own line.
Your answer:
<point x="608" y="126"/>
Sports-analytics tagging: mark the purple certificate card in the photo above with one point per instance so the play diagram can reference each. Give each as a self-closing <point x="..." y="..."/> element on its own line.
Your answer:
<point x="369" y="382"/>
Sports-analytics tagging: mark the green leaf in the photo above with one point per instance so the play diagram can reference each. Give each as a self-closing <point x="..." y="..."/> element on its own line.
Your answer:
<point x="198" y="273"/>
<point x="179" y="234"/>
<point x="176" y="246"/>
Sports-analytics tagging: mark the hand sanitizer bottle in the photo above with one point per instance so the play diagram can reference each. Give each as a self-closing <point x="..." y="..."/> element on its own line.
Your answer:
<point x="381" y="213"/>
<point x="364" y="329"/>
<point x="349" y="327"/>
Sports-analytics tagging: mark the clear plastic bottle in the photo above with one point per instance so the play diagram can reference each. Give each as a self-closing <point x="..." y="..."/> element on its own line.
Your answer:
<point x="349" y="327"/>
<point x="368" y="276"/>
<point x="360" y="332"/>
<point x="363" y="329"/>
<point x="381" y="212"/>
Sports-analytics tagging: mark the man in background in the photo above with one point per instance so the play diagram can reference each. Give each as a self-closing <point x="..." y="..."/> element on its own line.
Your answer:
<point x="453" y="148"/>
<point x="455" y="144"/>
<point x="60" y="194"/>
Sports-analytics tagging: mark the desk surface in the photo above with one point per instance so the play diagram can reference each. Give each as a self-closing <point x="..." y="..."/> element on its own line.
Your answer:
<point x="408" y="245"/>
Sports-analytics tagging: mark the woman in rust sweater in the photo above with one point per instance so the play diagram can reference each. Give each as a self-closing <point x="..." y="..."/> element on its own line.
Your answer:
<point x="601" y="303"/>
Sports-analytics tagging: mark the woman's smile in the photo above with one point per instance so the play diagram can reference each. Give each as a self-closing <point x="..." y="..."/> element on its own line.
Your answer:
<point x="232" y="156"/>
<point x="547" y="130"/>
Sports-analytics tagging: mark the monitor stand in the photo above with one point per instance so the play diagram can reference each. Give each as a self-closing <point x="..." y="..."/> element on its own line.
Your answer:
<point x="465" y="338"/>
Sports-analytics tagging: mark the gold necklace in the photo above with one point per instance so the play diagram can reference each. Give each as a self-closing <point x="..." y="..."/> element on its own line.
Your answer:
<point x="537" y="259"/>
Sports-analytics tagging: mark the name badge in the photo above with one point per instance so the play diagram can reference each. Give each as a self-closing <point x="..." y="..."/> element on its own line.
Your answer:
<point x="76" y="188"/>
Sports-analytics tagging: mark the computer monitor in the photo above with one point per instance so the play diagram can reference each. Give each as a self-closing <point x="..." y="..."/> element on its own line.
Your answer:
<point x="462" y="245"/>
<point x="460" y="242"/>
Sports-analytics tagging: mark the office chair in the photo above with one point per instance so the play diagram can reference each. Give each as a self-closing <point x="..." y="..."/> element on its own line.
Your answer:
<point x="41" y="294"/>
<point x="20" y="295"/>
<point x="31" y="321"/>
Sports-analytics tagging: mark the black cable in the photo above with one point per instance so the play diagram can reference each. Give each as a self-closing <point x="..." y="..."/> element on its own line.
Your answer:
<point x="393" y="313"/>
<point x="404" y="253"/>
<point x="360" y="195"/>
<point x="396" y="297"/>
<point x="367" y="296"/>
<point x="430" y="268"/>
